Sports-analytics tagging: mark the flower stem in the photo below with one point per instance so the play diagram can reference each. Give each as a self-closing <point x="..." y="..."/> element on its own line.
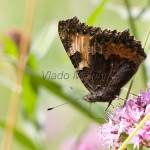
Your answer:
<point x="15" y="95"/>
<point x="131" y="20"/>
<point x="134" y="132"/>
<point x="147" y="36"/>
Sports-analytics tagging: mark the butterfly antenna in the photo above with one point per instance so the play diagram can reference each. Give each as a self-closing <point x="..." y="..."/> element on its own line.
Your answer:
<point x="77" y="89"/>
<point x="63" y="104"/>
<point x="130" y="92"/>
<point x="90" y="109"/>
<point x="121" y="98"/>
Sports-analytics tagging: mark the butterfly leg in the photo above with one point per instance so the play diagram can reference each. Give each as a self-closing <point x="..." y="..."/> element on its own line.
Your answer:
<point x="108" y="105"/>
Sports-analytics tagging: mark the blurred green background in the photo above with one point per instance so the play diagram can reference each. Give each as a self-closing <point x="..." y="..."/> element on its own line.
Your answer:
<point x="36" y="128"/>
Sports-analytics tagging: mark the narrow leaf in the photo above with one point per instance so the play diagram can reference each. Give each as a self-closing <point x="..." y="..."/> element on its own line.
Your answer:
<point x="97" y="12"/>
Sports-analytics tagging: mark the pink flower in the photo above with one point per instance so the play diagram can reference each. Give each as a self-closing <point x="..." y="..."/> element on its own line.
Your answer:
<point x="121" y="124"/>
<point x="69" y="144"/>
<point x="124" y="120"/>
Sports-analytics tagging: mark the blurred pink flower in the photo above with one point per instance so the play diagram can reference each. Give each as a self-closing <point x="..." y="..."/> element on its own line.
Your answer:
<point x="14" y="34"/>
<point x="53" y="124"/>
<point x="69" y="144"/>
<point x="88" y="141"/>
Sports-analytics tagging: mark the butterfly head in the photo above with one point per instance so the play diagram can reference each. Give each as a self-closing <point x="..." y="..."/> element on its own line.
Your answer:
<point x="90" y="97"/>
<point x="95" y="96"/>
<point x="102" y="95"/>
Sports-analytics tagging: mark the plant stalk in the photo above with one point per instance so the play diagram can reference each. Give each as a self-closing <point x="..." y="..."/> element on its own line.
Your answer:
<point x="15" y="95"/>
<point x="134" y="132"/>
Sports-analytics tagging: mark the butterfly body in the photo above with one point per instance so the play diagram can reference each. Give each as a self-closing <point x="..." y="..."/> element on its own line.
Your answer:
<point x="105" y="60"/>
<point x="103" y="95"/>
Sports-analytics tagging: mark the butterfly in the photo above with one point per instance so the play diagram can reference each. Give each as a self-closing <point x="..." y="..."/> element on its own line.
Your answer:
<point x="104" y="60"/>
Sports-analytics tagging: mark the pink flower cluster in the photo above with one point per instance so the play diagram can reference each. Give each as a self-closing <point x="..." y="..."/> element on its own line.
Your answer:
<point x="124" y="120"/>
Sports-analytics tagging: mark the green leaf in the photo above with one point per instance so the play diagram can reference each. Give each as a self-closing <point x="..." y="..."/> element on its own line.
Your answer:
<point x="44" y="40"/>
<point x="10" y="48"/>
<point x="29" y="94"/>
<point x="22" y="138"/>
<point x="97" y="12"/>
<point x="130" y="147"/>
<point x="32" y="63"/>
